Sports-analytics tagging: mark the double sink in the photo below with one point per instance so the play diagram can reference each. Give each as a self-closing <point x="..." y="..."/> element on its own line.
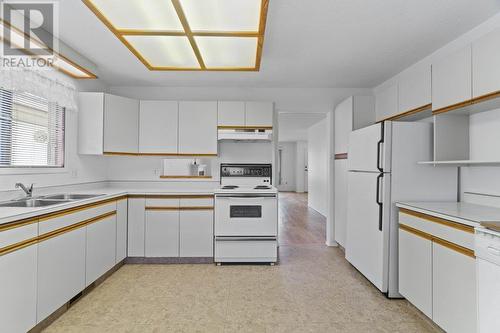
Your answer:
<point x="48" y="200"/>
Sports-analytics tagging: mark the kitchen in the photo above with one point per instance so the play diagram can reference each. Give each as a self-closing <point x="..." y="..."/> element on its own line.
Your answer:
<point x="139" y="174"/>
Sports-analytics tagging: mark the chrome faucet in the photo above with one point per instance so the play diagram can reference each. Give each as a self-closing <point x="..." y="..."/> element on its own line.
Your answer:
<point x="27" y="190"/>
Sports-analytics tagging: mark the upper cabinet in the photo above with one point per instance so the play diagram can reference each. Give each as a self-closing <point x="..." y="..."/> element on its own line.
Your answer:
<point x="107" y="124"/>
<point x="452" y="79"/>
<point x="259" y="114"/>
<point x="386" y="103"/>
<point x="231" y="113"/>
<point x="415" y="90"/>
<point x="158" y="127"/>
<point x="486" y="65"/>
<point x="198" y="128"/>
<point x="121" y="123"/>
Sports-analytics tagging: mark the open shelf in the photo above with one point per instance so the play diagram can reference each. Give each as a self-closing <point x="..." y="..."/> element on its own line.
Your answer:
<point x="460" y="163"/>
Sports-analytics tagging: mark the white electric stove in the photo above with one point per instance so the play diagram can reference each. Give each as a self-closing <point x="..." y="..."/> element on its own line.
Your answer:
<point x="246" y="215"/>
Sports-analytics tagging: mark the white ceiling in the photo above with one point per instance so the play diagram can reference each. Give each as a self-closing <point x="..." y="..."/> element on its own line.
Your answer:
<point x="293" y="126"/>
<point x="316" y="43"/>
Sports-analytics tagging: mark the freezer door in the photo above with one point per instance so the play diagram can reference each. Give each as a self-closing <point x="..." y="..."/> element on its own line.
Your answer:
<point x="369" y="148"/>
<point x="367" y="244"/>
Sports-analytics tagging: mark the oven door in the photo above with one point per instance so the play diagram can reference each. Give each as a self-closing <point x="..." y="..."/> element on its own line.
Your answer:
<point x="246" y="215"/>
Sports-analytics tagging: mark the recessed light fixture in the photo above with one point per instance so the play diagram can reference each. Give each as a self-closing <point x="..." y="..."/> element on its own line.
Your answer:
<point x="61" y="63"/>
<point x="195" y="35"/>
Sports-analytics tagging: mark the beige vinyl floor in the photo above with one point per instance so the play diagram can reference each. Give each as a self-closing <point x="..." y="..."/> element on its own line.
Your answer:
<point x="313" y="289"/>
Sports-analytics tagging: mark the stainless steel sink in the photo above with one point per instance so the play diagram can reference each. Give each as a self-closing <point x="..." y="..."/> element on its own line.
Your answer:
<point x="68" y="196"/>
<point x="32" y="203"/>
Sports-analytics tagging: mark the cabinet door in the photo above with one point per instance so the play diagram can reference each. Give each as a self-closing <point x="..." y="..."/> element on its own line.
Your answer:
<point x="90" y="123"/>
<point x="18" y="288"/>
<point x="488" y="285"/>
<point x="136" y="227"/>
<point x="121" y="230"/>
<point x="231" y="113"/>
<point x="486" y="64"/>
<point x="454" y="290"/>
<point x="452" y="79"/>
<point x="158" y="122"/>
<point x="162" y="233"/>
<point x="415" y="88"/>
<point x="121" y="124"/>
<point x="101" y="248"/>
<point x="343" y="125"/>
<point x="341" y="201"/>
<point x="198" y="128"/>
<point x="259" y="114"/>
<point x="196" y="233"/>
<point x="386" y="103"/>
<point x="415" y="270"/>
<point x="61" y="271"/>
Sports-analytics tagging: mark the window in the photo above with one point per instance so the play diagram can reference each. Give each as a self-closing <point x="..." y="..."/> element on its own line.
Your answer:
<point x="31" y="131"/>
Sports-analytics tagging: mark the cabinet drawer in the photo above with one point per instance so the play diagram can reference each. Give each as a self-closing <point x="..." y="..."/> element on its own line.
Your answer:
<point x="162" y="203"/>
<point x="453" y="232"/>
<point x="488" y="246"/>
<point x="246" y="250"/>
<point x="17" y="235"/>
<point x="198" y="202"/>
<point x="64" y="219"/>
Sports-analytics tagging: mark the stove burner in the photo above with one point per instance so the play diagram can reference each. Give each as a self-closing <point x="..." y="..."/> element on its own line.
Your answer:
<point x="229" y="187"/>
<point x="262" y="187"/>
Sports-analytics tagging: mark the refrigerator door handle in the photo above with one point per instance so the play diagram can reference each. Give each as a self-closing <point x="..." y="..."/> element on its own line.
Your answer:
<point x="379" y="148"/>
<point x="379" y="203"/>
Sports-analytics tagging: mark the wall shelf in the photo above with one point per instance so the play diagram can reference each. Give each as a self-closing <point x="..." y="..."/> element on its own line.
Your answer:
<point x="460" y="163"/>
<point x="479" y="104"/>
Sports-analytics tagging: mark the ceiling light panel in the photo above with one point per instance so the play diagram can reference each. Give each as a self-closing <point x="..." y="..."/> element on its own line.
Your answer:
<point x="223" y="15"/>
<point x="70" y="69"/>
<point x="165" y="51"/>
<point x="139" y="14"/>
<point x="228" y="52"/>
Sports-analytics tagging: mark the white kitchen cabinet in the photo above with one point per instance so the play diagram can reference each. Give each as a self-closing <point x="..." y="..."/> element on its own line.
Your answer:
<point x="231" y="113"/>
<point x="415" y="89"/>
<point x="452" y="79"/>
<point x="415" y="270"/>
<point x="196" y="233"/>
<point x="259" y="114"/>
<point x="101" y="248"/>
<point x="386" y="103"/>
<point x="121" y="124"/>
<point x="454" y="290"/>
<point x="61" y="271"/>
<point x="351" y="114"/>
<point x="107" y="123"/>
<point x="18" y="290"/>
<point x="486" y="64"/>
<point x="198" y="128"/>
<point x="341" y="175"/>
<point x="158" y="124"/>
<point x="136" y="227"/>
<point x="162" y="233"/>
<point x="121" y="229"/>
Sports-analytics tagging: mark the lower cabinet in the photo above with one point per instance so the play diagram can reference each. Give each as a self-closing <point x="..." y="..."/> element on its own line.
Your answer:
<point x="162" y="233"/>
<point x="61" y="270"/>
<point x="121" y="229"/>
<point x="454" y="289"/>
<point x="415" y="270"/>
<point x="101" y="248"/>
<point x="18" y="284"/>
<point x="135" y="230"/>
<point x="196" y="233"/>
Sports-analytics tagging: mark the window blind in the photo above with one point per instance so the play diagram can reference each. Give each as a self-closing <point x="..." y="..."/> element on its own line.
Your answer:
<point x="31" y="131"/>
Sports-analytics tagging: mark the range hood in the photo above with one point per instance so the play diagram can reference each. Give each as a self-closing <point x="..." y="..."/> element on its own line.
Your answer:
<point x="245" y="133"/>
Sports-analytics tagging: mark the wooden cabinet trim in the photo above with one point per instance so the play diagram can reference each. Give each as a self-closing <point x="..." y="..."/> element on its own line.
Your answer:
<point x="245" y="127"/>
<point x="18" y="223"/>
<point x="438" y="220"/>
<point x="18" y="246"/>
<point x="469" y="102"/>
<point x="411" y="112"/>
<point x="341" y="156"/>
<point x="117" y="153"/>
<point x="179" y="208"/>
<point x="172" y="196"/>
<point x="440" y="241"/>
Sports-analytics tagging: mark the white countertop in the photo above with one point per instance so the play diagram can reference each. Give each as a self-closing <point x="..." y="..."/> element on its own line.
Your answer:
<point x="460" y="212"/>
<point x="9" y="214"/>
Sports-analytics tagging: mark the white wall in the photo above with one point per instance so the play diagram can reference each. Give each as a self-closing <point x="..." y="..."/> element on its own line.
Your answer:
<point x="79" y="169"/>
<point x="301" y="161"/>
<point x="317" y="162"/>
<point x="288" y="165"/>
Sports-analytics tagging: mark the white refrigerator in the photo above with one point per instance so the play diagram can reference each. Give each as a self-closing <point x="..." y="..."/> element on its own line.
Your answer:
<point x="383" y="169"/>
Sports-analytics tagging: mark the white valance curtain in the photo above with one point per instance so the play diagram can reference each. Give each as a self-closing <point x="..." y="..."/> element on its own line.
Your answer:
<point x="42" y="83"/>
